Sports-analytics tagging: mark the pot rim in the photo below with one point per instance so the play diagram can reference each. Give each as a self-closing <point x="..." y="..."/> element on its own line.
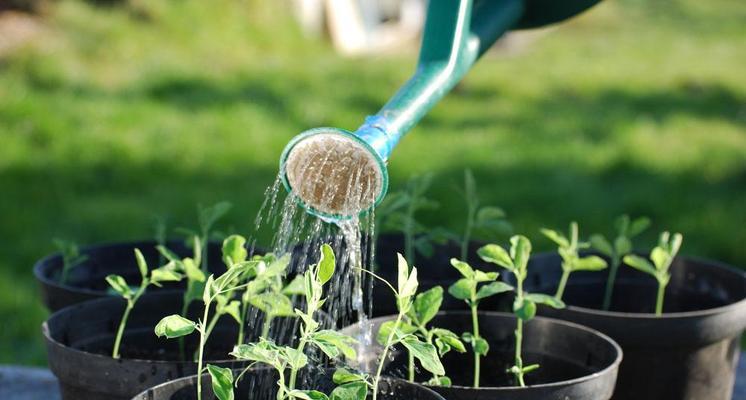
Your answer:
<point x="672" y="315"/>
<point x="609" y="369"/>
<point x="50" y="340"/>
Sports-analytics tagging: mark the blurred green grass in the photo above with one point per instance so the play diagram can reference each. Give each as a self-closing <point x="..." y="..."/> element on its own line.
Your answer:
<point x="115" y="114"/>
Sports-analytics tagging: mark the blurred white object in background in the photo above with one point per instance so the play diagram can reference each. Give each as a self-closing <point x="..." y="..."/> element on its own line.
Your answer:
<point x="360" y="27"/>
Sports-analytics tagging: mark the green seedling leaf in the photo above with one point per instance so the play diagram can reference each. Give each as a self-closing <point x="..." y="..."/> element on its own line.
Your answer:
<point x="208" y="290"/>
<point x="638" y="226"/>
<point x="119" y="285"/>
<point x="141" y="264"/>
<point x="295" y="287"/>
<point x="333" y="342"/>
<point x="326" y="264"/>
<point x="307" y="395"/>
<point x="439" y="381"/>
<point x="425" y="353"/>
<point x="461" y="289"/>
<point x="547" y="300"/>
<point x="480" y="276"/>
<point x="556" y="237"/>
<point x="274" y="304"/>
<point x="194" y="291"/>
<point x="410" y="287"/>
<point x="222" y="382"/>
<point x="234" y="250"/>
<point x="480" y="346"/>
<point x="520" y="251"/>
<point x="490" y="213"/>
<point x="641" y="264"/>
<point x="659" y="258"/>
<point x="602" y="245"/>
<point x="529" y="368"/>
<point x="427" y="304"/>
<point x="174" y="326"/>
<point x="342" y="376"/>
<point x="164" y="274"/>
<point x="524" y="309"/>
<point x="449" y="339"/>
<point x="384" y="331"/>
<point x="465" y="269"/>
<point x="590" y="263"/>
<point x="497" y="255"/>
<point x="296" y="359"/>
<point x="264" y="352"/>
<point x="233" y="308"/>
<point x="276" y="266"/>
<point x="492" y="289"/>
<point x="622" y="245"/>
<point x="192" y="270"/>
<point x="350" y="391"/>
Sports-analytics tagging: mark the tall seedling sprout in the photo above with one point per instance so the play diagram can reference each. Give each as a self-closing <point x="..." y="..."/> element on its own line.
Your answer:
<point x="71" y="257"/>
<point x="662" y="257"/>
<point x="398" y="212"/>
<point x="626" y="229"/>
<point x="484" y="218"/>
<point x="167" y="273"/>
<point x="216" y="290"/>
<point x="524" y="305"/>
<point x="424" y="308"/>
<point x="392" y="333"/>
<point x="207" y="217"/>
<point x="568" y="249"/>
<point x="473" y="287"/>
<point x="332" y="343"/>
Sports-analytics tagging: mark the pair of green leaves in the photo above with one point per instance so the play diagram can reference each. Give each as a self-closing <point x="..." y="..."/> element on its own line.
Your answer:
<point x="569" y="247"/>
<point x="351" y="386"/>
<point x="626" y="229"/>
<point x="425" y="353"/>
<point x="661" y="256"/>
<point x="475" y="285"/>
<point x="167" y="273"/>
<point x="425" y="307"/>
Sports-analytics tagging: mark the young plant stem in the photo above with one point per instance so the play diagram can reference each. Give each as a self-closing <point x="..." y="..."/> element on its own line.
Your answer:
<point x="201" y="350"/>
<point x="659" y="300"/>
<point x="609" y="291"/>
<point x="266" y="326"/>
<point x="475" y="327"/>
<point x="411" y="366"/>
<point x="519" y="336"/>
<point x="467" y="232"/>
<point x="384" y="354"/>
<point x="120" y="331"/>
<point x="293" y="371"/>
<point x="562" y="284"/>
<point x="241" y="329"/>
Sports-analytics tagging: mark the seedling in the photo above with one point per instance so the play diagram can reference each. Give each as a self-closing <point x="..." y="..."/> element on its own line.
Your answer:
<point x="216" y="290"/>
<point x="331" y="343"/>
<point x="626" y="229"/>
<point x="166" y="273"/>
<point x="662" y="257"/>
<point x="395" y="332"/>
<point x="71" y="257"/>
<point x="207" y="218"/>
<point x="424" y="308"/>
<point x="398" y="212"/>
<point x="571" y="261"/>
<point x="473" y="287"/>
<point x="490" y="220"/>
<point x="524" y="305"/>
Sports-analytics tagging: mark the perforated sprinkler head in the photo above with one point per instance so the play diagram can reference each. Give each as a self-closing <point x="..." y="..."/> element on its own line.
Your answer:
<point x="333" y="173"/>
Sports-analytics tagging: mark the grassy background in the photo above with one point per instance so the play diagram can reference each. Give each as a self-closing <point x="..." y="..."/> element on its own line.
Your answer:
<point x="114" y="114"/>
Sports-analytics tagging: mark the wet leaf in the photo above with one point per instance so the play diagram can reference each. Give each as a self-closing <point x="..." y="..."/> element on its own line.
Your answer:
<point x="234" y="250"/>
<point x="465" y="269"/>
<point x="142" y="265"/>
<point x="425" y="353"/>
<point x="119" y="285"/>
<point x="326" y="263"/>
<point x="492" y="289"/>
<point x="174" y="326"/>
<point x="497" y="255"/>
<point x="461" y="289"/>
<point x="222" y="382"/>
<point x="427" y="304"/>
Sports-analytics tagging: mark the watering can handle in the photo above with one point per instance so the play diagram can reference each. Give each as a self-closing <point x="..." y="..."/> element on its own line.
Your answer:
<point x="456" y="34"/>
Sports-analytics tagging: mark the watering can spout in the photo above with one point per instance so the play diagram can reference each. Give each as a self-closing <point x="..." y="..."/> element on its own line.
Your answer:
<point x="456" y="34"/>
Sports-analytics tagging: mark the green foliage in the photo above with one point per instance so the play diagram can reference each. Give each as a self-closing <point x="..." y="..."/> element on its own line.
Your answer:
<point x="626" y="229"/>
<point x="222" y="382"/>
<point x="71" y="257"/>
<point x="524" y="304"/>
<point x="661" y="256"/>
<point x="486" y="221"/>
<point x="568" y="248"/>
<point x="473" y="287"/>
<point x="331" y="343"/>
<point x="119" y="285"/>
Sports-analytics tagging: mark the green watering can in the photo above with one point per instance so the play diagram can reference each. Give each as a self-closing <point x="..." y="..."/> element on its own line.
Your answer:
<point x="337" y="174"/>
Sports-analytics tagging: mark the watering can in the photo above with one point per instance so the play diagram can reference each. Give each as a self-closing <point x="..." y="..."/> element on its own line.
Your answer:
<point x="337" y="174"/>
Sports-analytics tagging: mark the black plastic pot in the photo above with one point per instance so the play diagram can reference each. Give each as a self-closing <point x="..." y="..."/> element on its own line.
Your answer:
<point x="435" y="270"/>
<point x="79" y="340"/>
<point x="86" y="281"/>
<point x="689" y="353"/>
<point x="577" y="363"/>
<point x="261" y="383"/>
